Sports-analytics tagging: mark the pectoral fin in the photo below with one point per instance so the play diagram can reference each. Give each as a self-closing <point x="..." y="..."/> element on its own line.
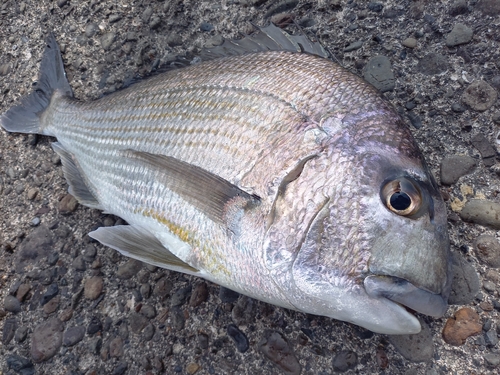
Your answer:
<point x="209" y="193"/>
<point x="137" y="242"/>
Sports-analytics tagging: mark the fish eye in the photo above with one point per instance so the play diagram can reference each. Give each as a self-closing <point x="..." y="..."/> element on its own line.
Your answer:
<point x="402" y="196"/>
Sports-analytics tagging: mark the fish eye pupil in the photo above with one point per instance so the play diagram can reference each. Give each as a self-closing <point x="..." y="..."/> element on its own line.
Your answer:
<point x="400" y="201"/>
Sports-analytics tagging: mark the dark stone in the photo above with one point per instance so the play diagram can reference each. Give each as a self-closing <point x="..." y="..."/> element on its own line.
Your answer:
<point x="180" y="296"/>
<point x="378" y="72"/>
<point x="20" y="364"/>
<point x="432" y="64"/>
<point x="11" y="304"/>
<point x="94" y="326"/>
<point x="345" y="360"/>
<point x="199" y="294"/>
<point x="177" y="318"/>
<point x="238" y="337"/>
<point x="46" y="340"/>
<point x="227" y="295"/>
<point x="455" y="166"/>
<point x="50" y="293"/>
<point x="276" y="348"/>
<point x="35" y="248"/>
<point x="73" y="335"/>
<point x="465" y="284"/>
<point x="137" y="322"/>
<point x="9" y="330"/>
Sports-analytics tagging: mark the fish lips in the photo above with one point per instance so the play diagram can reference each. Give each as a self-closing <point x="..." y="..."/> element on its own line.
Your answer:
<point x="405" y="293"/>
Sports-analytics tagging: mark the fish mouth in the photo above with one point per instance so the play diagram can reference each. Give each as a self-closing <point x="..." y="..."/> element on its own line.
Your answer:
<point x="405" y="293"/>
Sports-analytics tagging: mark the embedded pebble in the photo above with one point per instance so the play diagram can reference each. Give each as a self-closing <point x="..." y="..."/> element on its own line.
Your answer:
<point x="32" y="193"/>
<point x="79" y="263"/>
<point x="203" y="340"/>
<point x="174" y="40"/>
<point x="93" y="287"/>
<point x="227" y="295"/>
<point x="354" y="46"/>
<point x="21" y="334"/>
<point x="199" y="294"/>
<point x="148" y="311"/>
<point x="491" y="338"/>
<point x="461" y="34"/>
<point x="94" y="326"/>
<point x="180" y="296"/>
<point x="465" y="284"/>
<point x="458" y="7"/>
<point x="68" y="204"/>
<point x="432" y="64"/>
<point x="21" y="365"/>
<point x="73" y="335"/>
<point x="455" y="166"/>
<point x="137" y="322"/>
<point x="52" y="305"/>
<point x="489" y="7"/>
<point x="148" y="332"/>
<point x="244" y="310"/>
<point x="120" y="368"/>
<point x="378" y="72"/>
<point x="414" y="119"/>
<point x="162" y="288"/>
<point x="19" y="187"/>
<point x="479" y="96"/>
<point x="409" y="42"/>
<point x="177" y="318"/>
<point x="46" y="340"/>
<point x="107" y="40"/>
<point x="487" y="249"/>
<point x="487" y="151"/>
<point x="116" y="347"/>
<point x="89" y="253"/>
<point x="50" y="293"/>
<point x="4" y="69"/>
<point x="192" y="368"/>
<point x="345" y="360"/>
<point x="129" y="269"/>
<point x="463" y="324"/>
<point x="482" y="212"/>
<point x="11" y="304"/>
<point x="415" y="348"/>
<point x="239" y="338"/>
<point x="91" y="29"/>
<point x="275" y="348"/>
<point x="9" y="330"/>
<point x="114" y="18"/>
<point x="458" y="108"/>
<point x="492" y="359"/>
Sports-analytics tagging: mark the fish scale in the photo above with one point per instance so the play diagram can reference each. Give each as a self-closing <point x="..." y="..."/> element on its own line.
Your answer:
<point x="268" y="170"/>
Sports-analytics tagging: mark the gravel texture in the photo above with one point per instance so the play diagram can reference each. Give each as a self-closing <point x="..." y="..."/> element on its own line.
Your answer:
<point x="71" y="306"/>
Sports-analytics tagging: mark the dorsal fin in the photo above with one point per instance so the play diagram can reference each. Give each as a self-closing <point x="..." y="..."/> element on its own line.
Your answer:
<point x="269" y="38"/>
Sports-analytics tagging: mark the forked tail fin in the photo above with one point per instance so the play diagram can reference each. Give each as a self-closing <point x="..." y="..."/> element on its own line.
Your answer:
<point x="25" y="117"/>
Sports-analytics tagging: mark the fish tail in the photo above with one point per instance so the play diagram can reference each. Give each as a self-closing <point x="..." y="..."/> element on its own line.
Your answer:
<point x="25" y="117"/>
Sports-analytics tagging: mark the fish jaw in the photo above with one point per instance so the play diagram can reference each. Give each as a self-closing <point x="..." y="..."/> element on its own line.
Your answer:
<point x="351" y="303"/>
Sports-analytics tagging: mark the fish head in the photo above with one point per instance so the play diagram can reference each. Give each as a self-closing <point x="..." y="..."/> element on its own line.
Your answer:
<point x="378" y="245"/>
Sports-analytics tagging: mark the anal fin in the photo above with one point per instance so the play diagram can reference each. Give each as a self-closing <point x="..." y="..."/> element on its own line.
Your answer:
<point x="137" y="242"/>
<point x="74" y="177"/>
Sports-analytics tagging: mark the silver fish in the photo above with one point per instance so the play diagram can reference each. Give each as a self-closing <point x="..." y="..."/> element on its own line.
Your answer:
<point x="267" y="169"/>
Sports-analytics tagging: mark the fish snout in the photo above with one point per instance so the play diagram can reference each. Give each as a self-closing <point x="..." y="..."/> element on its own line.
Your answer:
<point x="405" y="293"/>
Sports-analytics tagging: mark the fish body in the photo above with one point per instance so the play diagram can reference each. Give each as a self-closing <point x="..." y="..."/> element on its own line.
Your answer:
<point x="275" y="173"/>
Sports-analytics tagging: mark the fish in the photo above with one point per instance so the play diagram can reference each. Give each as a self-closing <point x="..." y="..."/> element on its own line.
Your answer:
<point x="266" y="168"/>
